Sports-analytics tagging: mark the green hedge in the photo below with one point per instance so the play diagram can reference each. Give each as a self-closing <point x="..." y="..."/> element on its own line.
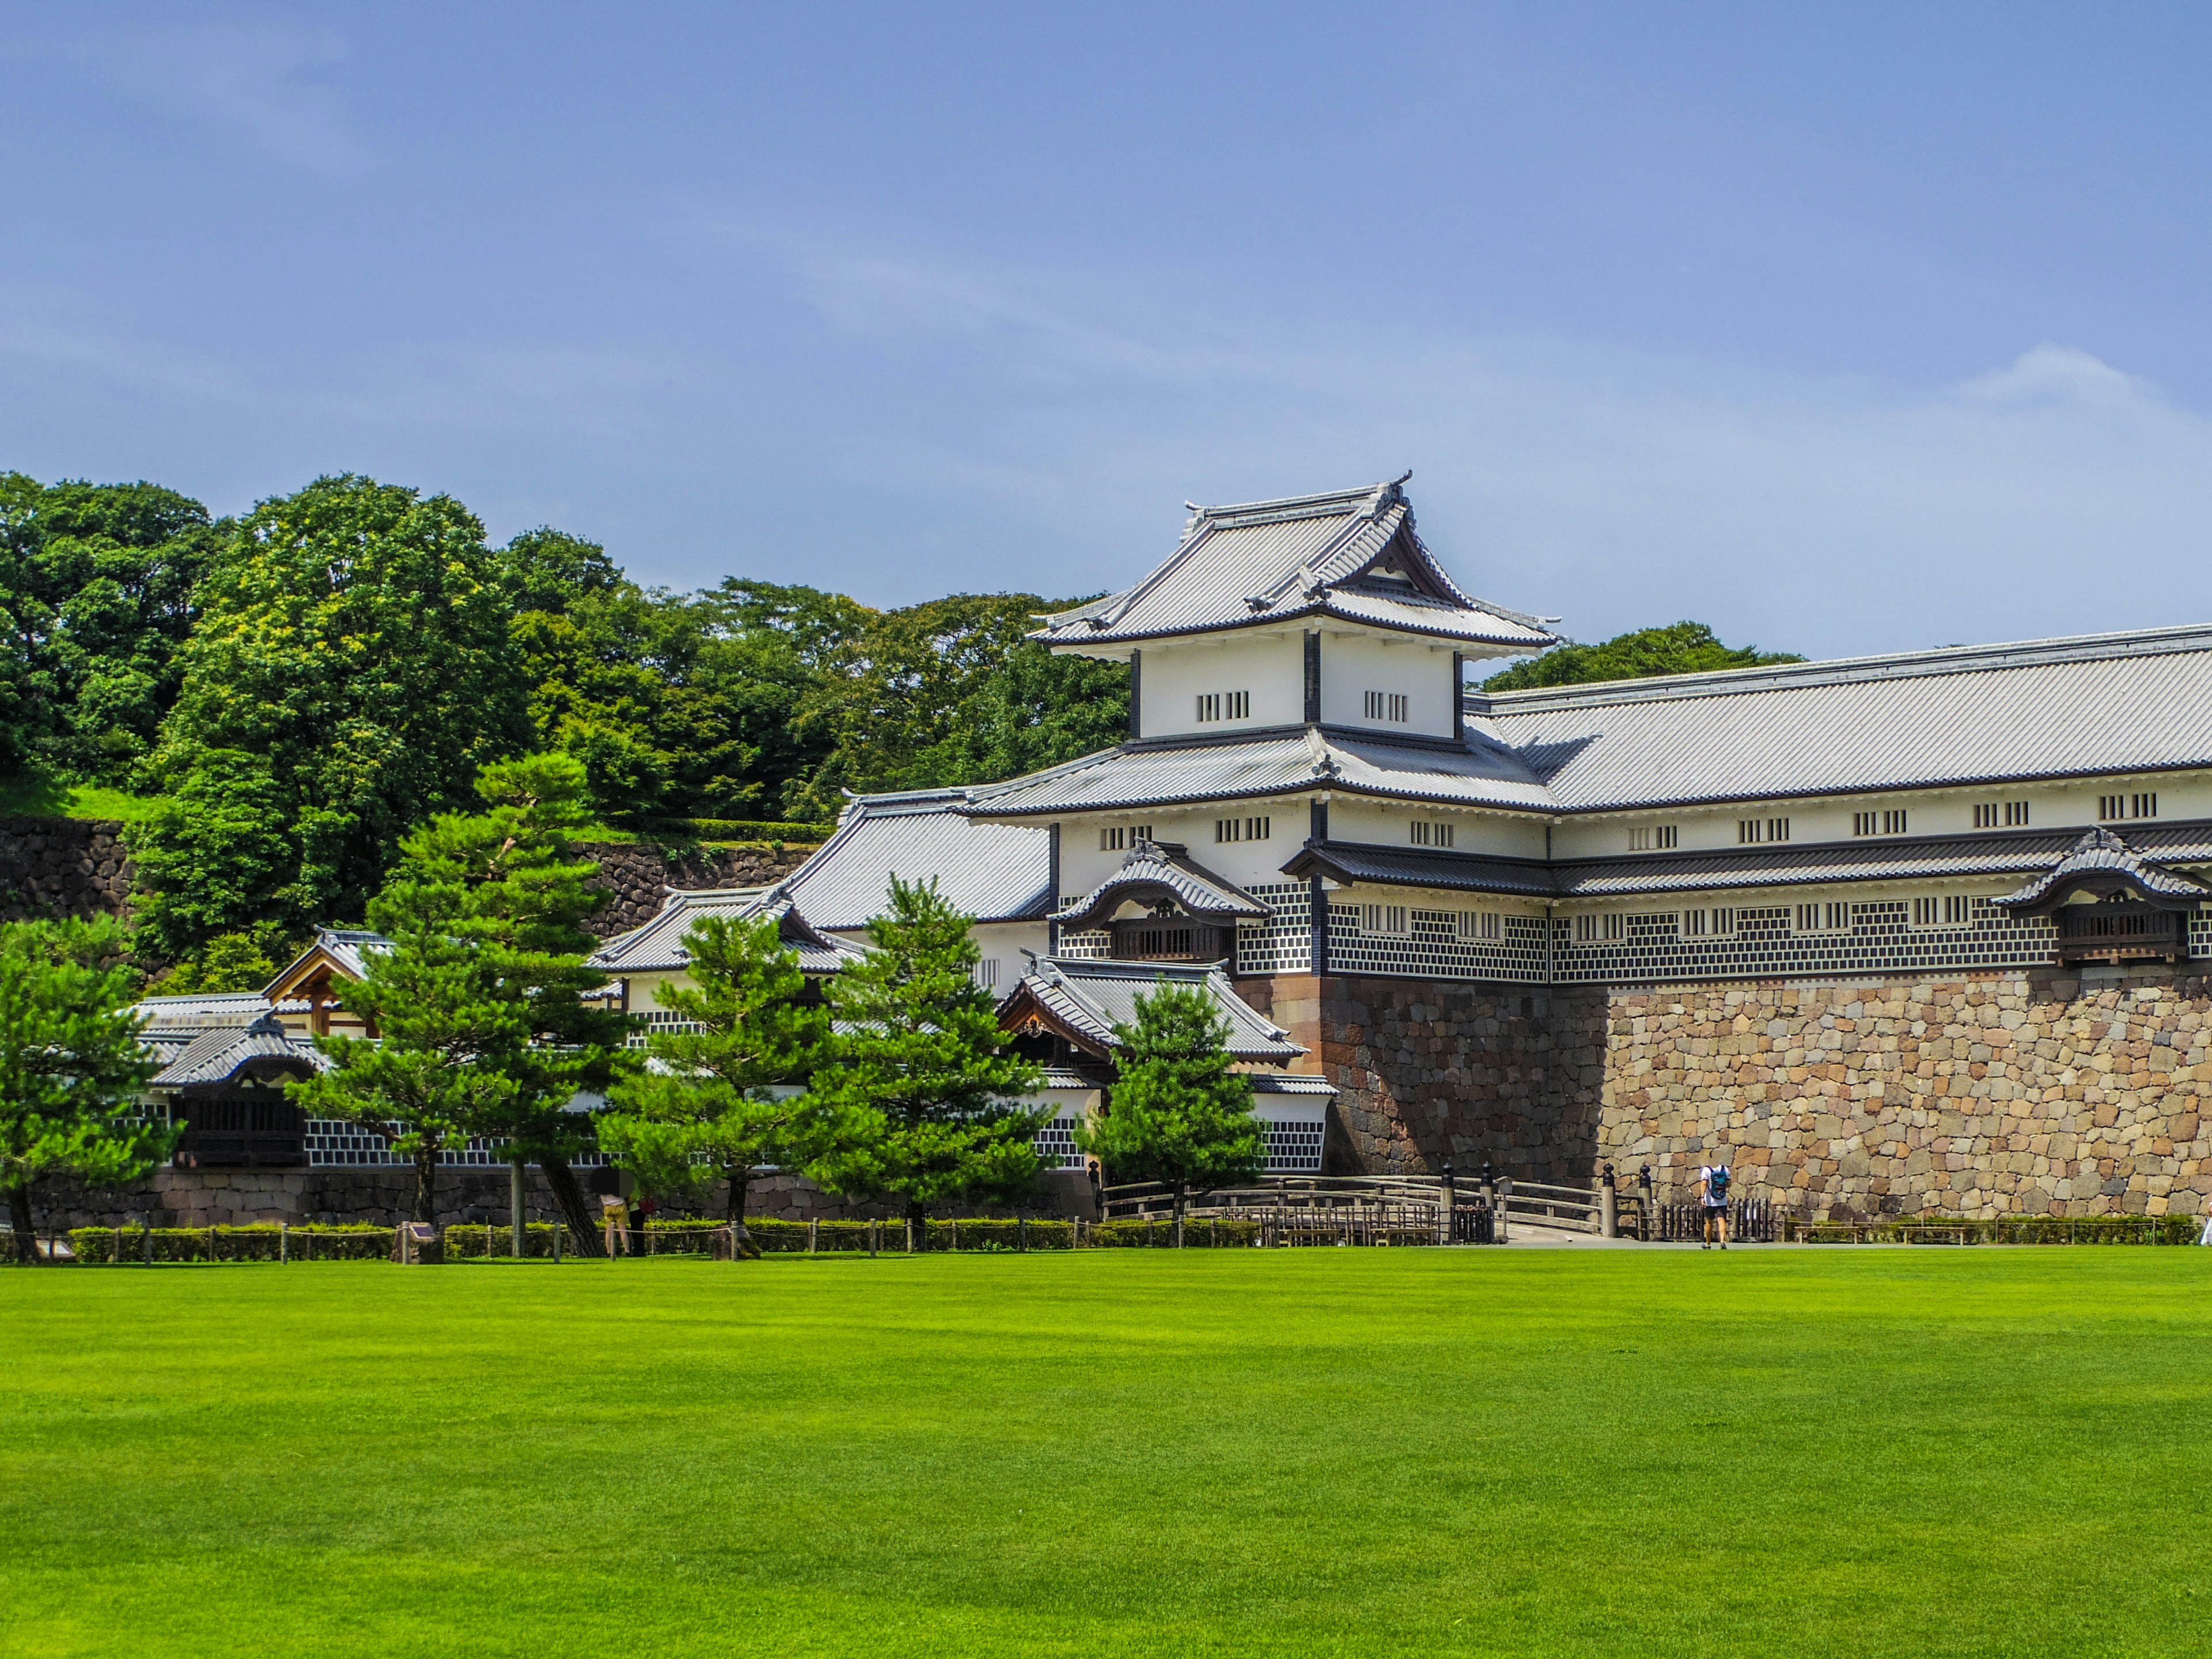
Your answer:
<point x="1935" y="1230"/>
<point x="1159" y="1233"/>
<point x="465" y="1242"/>
<point x="789" y="1237"/>
<point x="254" y="1243"/>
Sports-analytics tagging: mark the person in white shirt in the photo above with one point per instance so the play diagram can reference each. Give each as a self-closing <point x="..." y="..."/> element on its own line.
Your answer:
<point x="1714" y="1181"/>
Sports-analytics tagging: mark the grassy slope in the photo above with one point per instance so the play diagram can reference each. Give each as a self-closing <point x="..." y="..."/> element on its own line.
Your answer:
<point x="45" y="798"/>
<point x="1857" y="1452"/>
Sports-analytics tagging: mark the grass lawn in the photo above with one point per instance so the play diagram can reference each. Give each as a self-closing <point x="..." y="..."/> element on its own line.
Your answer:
<point x="1852" y="1452"/>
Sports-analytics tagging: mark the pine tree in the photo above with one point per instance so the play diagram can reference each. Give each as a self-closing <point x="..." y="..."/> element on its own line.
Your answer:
<point x="1178" y="1112"/>
<point x="711" y="1100"/>
<point x="482" y="1027"/>
<point x="922" y="1066"/>
<point x="71" y="1066"/>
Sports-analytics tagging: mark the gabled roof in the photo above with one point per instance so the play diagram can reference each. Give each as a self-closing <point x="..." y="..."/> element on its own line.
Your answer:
<point x="344" y="951"/>
<point x="2095" y="705"/>
<point x="200" y="1012"/>
<point x="658" y="945"/>
<point x="1350" y="554"/>
<point x="1482" y="773"/>
<point x="219" y="1055"/>
<point x="1084" y="1000"/>
<point x="1162" y="869"/>
<point x="2102" y="863"/>
<point x="994" y="873"/>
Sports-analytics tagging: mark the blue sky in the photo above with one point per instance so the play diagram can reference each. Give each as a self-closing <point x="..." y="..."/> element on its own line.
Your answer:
<point x="1846" y="329"/>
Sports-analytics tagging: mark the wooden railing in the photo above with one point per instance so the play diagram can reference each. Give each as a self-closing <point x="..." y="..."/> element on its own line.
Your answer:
<point x="1326" y="1209"/>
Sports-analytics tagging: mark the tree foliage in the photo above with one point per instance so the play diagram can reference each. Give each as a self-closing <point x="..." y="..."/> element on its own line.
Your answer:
<point x="1178" y="1111"/>
<point x="479" y="1007"/>
<point x="71" y="1065"/>
<point x="1683" y="647"/>
<point x="724" y="1089"/>
<point x="96" y="600"/>
<point x="351" y="670"/>
<point x="928" y="1078"/>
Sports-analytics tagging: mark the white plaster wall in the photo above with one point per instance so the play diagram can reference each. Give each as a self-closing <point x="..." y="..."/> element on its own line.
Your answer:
<point x="1271" y="666"/>
<point x="1945" y="811"/>
<point x="1354" y="664"/>
<point x="1389" y="823"/>
<point x="1083" y="866"/>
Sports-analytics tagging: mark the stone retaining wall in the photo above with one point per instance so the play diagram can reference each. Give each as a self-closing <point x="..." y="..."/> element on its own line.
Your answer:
<point x="638" y="877"/>
<point x="2037" y="1093"/>
<point x="2000" y="1093"/>
<point x="62" y="867"/>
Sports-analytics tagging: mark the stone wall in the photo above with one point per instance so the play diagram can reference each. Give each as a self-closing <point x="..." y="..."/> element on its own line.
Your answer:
<point x="2016" y="1092"/>
<point x="638" y="877"/>
<point x="2037" y="1093"/>
<point x="62" y="866"/>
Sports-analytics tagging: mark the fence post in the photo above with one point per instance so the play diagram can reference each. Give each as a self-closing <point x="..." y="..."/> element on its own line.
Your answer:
<point x="1609" y="1222"/>
<point x="813" y="1231"/>
<point x="909" y="1235"/>
<point x="557" y="1228"/>
<point x="956" y="1235"/>
<point x="283" y="1242"/>
<point x="1022" y="1234"/>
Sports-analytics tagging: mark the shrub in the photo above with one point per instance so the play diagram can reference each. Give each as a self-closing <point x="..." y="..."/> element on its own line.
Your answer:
<point x="465" y="1242"/>
<point x="981" y="1235"/>
<point x="261" y="1243"/>
<point x="2006" y="1229"/>
<point x="1159" y="1233"/>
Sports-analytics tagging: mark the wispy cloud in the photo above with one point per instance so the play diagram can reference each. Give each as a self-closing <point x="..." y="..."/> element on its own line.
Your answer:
<point x="1623" y="487"/>
<point x="265" y="82"/>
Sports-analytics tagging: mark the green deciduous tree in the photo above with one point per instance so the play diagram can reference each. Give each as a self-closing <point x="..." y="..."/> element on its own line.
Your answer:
<point x="96" y="600"/>
<point x="71" y="1066"/>
<point x="727" y="1093"/>
<point x="480" y="1004"/>
<point x="351" y="670"/>
<point x="920" y="1063"/>
<point x="950" y="691"/>
<point x="1178" y="1111"/>
<point x="1686" y="647"/>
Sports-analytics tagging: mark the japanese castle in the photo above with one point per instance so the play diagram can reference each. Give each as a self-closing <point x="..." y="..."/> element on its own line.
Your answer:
<point x="1313" y="805"/>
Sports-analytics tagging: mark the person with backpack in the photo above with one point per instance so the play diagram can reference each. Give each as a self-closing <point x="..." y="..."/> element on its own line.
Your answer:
<point x="1714" y="1180"/>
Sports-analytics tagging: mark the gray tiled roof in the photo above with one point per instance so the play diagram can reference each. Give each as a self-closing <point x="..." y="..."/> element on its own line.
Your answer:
<point x="660" y="944"/>
<point x="1269" y="561"/>
<point x="216" y="1056"/>
<point x="1092" y="997"/>
<point x="1482" y="773"/>
<point x="2097" y="705"/>
<point x="201" y="1013"/>
<point x="1289" y="1083"/>
<point x="995" y="872"/>
<point x="1164" y="865"/>
<point x="1406" y="866"/>
<point x="2102" y="853"/>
